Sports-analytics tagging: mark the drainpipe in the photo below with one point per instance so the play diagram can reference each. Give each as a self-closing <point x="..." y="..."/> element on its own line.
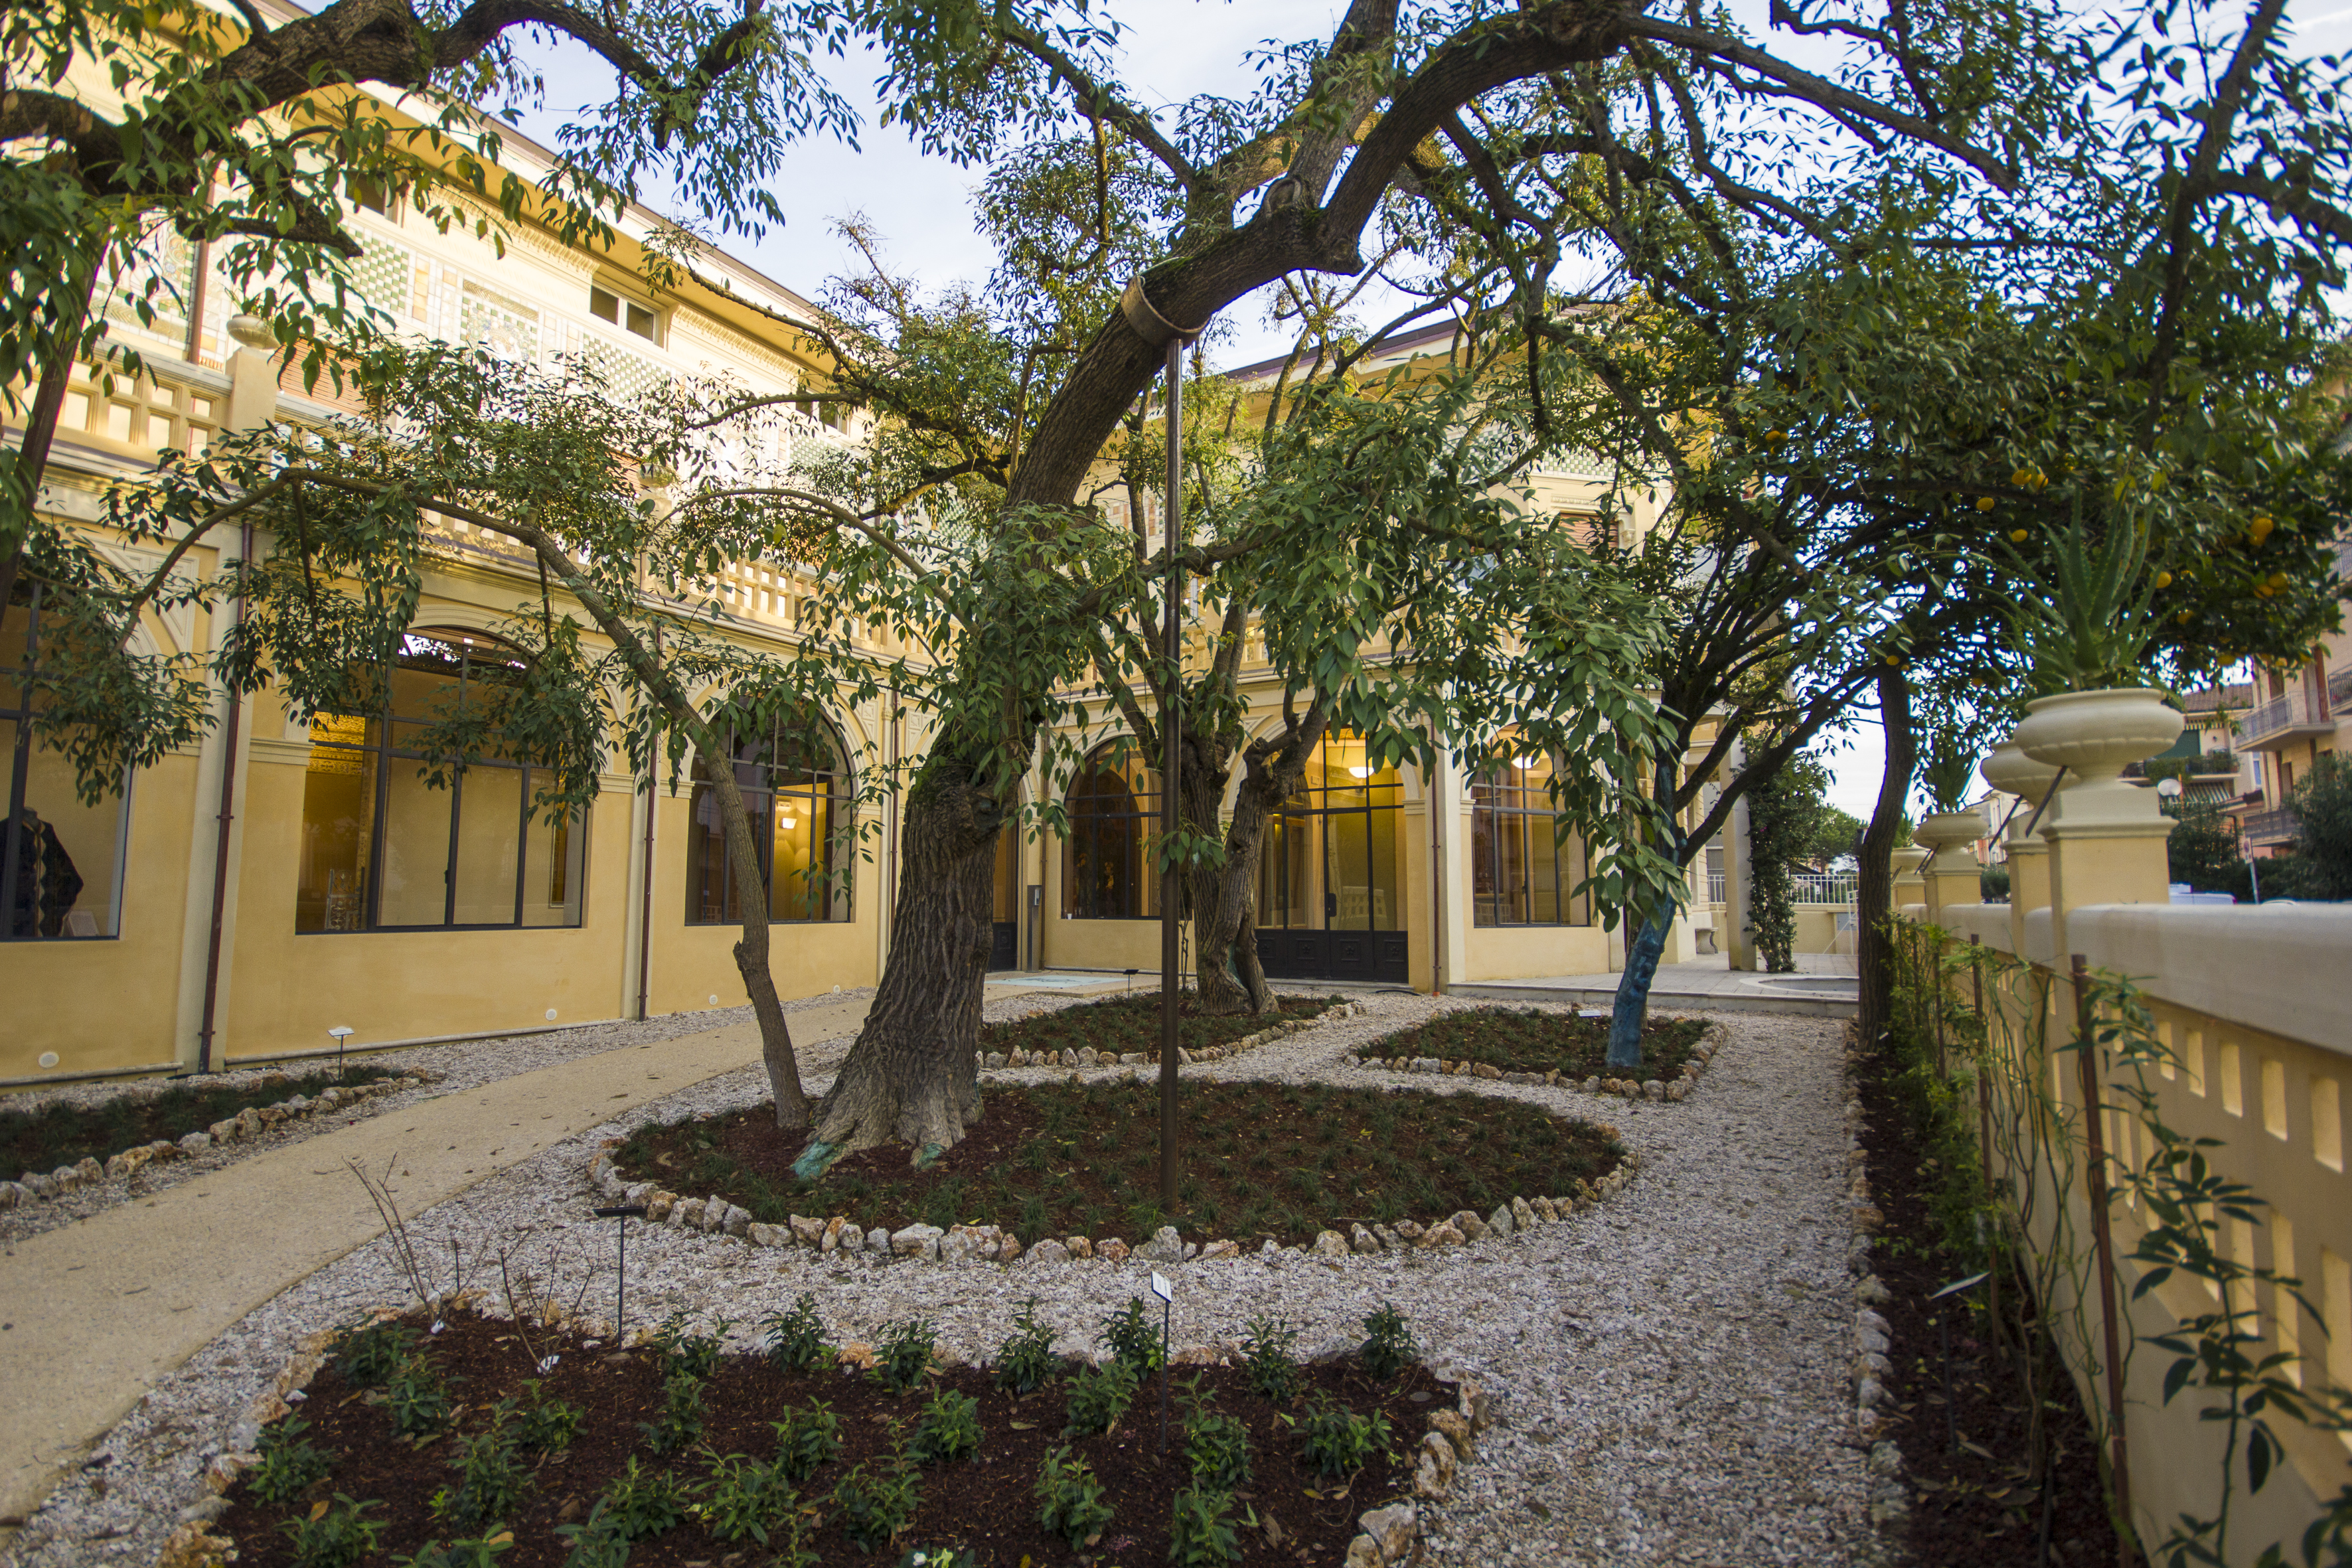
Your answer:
<point x="221" y="832"/>
<point x="646" y="876"/>
<point x="1437" y="888"/>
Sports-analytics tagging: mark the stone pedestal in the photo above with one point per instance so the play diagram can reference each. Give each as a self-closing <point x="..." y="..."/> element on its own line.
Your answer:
<point x="1951" y="877"/>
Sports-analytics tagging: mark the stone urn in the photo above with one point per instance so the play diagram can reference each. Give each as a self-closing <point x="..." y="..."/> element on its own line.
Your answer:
<point x="2094" y="735"/>
<point x="2012" y="772"/>
<point x="1945" y="830"/>
<point x="1908" y="861"/>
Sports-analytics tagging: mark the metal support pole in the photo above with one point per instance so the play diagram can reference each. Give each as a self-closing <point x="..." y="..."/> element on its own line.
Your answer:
<point x="1171" y="724"/>
<point x="621" y="1213"/>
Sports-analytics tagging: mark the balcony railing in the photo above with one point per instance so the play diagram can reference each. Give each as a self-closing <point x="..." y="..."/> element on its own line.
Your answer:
<point x="1823" y="887"/>
<point x="2292" y="717"/>
<point x="2273" y="827"/>
<point x="1714" y="886"/>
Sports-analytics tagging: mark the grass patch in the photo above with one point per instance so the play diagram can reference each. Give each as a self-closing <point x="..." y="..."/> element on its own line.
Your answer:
<point x="1123" y="1024"/>
<point x="1261" y="1160"/>
<point x="1529" y="1039"/>
<point x="57" y="1136"/>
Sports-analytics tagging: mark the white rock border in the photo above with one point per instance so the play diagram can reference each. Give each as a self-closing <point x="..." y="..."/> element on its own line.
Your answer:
<point x="250" y="1124"/>
<point x="1716" y="1036"/>
<point x="1089" y="1059"/>
<point x="1389" y="1536"/>
<point x="1890" y="1499"/>
<point x="993" y="1244"/>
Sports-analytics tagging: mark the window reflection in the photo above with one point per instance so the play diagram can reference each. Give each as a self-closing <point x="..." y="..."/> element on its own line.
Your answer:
<point x="795" y="789"/>
<point x="1114" y="817"/>
<point x="59" y="857"/>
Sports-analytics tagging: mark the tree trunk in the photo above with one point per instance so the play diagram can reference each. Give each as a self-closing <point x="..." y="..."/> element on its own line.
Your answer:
<point x="40" y="431"/>
<point x="1225" y="926"/>
<point x="911" y="1075"/>
<point x="1629" y="1010"/>
<point x="1874" y="889"/>
<point x="751" y="947"/>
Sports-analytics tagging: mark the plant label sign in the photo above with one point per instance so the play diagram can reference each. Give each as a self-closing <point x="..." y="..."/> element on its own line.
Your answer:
<point x="1160" y="1288"/>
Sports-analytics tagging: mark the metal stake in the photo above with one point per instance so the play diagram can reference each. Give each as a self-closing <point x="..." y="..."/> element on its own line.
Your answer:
<point x="622" y="1213"/>
<point x="1172" y="746"/>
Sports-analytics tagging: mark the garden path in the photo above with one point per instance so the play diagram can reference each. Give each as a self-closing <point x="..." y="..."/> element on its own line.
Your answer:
<point x="93" y="1313"/>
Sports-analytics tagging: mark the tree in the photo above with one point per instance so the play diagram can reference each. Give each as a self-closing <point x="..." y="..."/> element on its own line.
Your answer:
<point x="624" y="509"/>
<point x="1788" y="824"/>
<point x="2323" y="835"/>
<point x="2204" y="852"/>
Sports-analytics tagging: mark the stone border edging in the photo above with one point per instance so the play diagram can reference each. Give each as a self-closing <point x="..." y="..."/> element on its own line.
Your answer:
<point x="1389" y="1536"/>
<point x="1717" y="1034"/>
<point x="250" y="1124"/>
<point x="1087" y="1057"/>
<point x="1890" y="1500"/>
<point x="993" y="1244"/>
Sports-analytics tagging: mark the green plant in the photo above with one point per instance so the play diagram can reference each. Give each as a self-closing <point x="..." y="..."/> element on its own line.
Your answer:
<point x="1070" y="1500"/>
<point x="482" y="1551"/>
<point x="1099" y="1397"/>
<point x="289" y="1463"/>
<point x="795" y="1340"/>
<point x="490" y="1478"/>
<point x="597" y="1540"/>
<point x="685" y="1356"/>
<point x="543" y="1425"/>
<point x="1217" y="1450"/>
<point x="2083" y="617"/>
<point x="645" y="1502"/>
<point x="948" y="1428"/>
<point x="905" y="1354"/>
<point x="1268" y="1360"/>
<point x="742" y="1498"/>
<point x="367" y="1356"/>
<point x="417" y="1398"/>
<point x="807" y="1437"/>
<point x="941" y="1557"/>
<point x="1025" y="1361"/>
<point x="1949" y="770"/>
<point x="876" y="1502"/>
<point x="1133" y="1337"/>
<point x="1199" y="1534"/>
<point x="1335" y="1441"/>
<point x="335" y="1534"/>
<point x="680" y="1421"/>
<point x="1388" y="1347"/>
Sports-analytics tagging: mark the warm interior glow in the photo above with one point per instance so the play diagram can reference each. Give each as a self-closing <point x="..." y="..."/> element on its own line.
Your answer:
<point x="788" y="822"/>
<point x="1359" y="772"/>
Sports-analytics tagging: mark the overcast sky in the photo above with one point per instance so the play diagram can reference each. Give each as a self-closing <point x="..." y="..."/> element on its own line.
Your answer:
<point x="1174" y="49"/>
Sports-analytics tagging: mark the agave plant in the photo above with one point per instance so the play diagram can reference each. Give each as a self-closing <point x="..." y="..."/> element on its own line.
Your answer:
<point x="2083" y="617"/>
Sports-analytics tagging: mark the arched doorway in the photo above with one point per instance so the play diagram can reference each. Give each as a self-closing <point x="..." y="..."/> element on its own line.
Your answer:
<point x="1330" y="902"/>
<point x="1004" y="944"/>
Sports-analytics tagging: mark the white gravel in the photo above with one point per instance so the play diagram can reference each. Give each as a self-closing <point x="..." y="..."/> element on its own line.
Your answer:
<point x="1670" y="1369"/>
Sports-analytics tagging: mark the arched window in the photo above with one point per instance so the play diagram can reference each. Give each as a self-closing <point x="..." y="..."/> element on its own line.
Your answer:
<point x="1520" y="872"/>
<point x="796" y="787"/>
<point x="385" y="847"/>
<point x="1114" y="815"/>
<point x="57" y="854"/>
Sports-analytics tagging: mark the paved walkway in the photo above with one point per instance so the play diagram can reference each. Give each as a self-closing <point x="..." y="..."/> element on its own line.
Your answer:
<point x="1823" y="986"/>
<point x="93" y="1312"/>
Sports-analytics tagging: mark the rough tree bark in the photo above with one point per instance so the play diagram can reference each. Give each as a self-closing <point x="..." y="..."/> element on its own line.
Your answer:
<point x="1874" y="887"/>
<point x="1225" y="925"/>
<point x="911" y="1076"/>
<point x="1630" y="1009"/>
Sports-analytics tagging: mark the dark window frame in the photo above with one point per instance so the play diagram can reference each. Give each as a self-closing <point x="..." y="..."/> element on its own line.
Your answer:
<point x="17" y="686"/>
<point x="756" y="777"/>
<point x="1099" y="834"/>
<point x="1509" y="813"/>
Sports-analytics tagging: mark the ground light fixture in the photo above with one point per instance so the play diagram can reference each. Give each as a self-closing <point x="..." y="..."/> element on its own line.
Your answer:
<point x="1944" y="1328"/>
<point x="623" y="1213"/>
<point x="339" y="1034"/>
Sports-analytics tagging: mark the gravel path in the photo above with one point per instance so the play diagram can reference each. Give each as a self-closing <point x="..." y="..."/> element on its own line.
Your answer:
<point x="1670" y="1369"/>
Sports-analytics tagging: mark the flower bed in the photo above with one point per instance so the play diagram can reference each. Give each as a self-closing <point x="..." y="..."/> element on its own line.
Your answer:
<point x="419" y="1435"/>
<point x="1124" y="1031"/>
<point x="1279" y="1164"/>
<point x="1530" y="1045"/>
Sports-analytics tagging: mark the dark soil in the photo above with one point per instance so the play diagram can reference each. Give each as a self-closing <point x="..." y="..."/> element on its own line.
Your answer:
<point x="57" y="1136"/>
<point x="1260" y="1160"/>
<point x="986" y="1502"/>
<point x="1978" y="1500"/>
<point x="1123" y="1024"/>
<point x="1527" y="1039"/>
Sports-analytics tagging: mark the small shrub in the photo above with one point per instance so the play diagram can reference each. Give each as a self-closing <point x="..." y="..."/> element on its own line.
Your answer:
<point x="1335" y="1441"/>
<point x="1133" y="1337"/>
<point x="1268" y="1359"/>
<point x="941" y="1557"/>
<point x="336" y="1534"/>
<point x="876" y="1503"/>
<point x="1025" y="1361"/>
<point x="1388" y="1346"/>
<point x="743" y="1498"/>
<point x="544" y="1426"/>
<point x="806" y="1438"/>
<point x="1070" y="1500"/>
<point x="1217" y="1450"/>
<point x="1199" y="1535"/>
<point x="483" y="1552"/>
<point x="1099" y="1397"/>
<point x="948" y="1428"/>
<point x="289" y="1464"/>
<point x="795" y="1340"/>
<point x="368" y="1356"/>
<point x="490" y="1478"/>
<point x="680" y="1421"/>
<point x="643" y="1503"/>
<point x="685" y="1356"/>
<point x="597" y="1540"/>
<point x="417" y="1398"/>
<point x="905" y="1357"/>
